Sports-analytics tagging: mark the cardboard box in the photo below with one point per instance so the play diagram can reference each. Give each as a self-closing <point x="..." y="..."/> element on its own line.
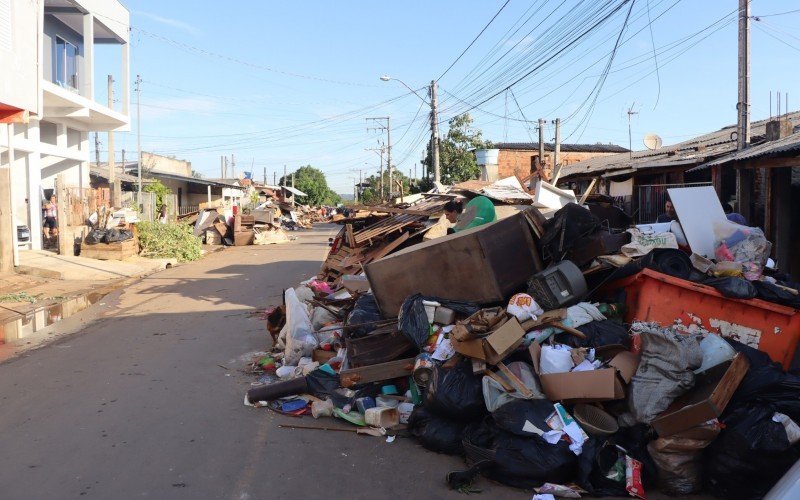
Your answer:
<point x="484" y="264"/>
<point x="494" y="347"/>
<point x="712" y="391"/>
<point x="596" y="385"/>
<point x="242" y="238"/>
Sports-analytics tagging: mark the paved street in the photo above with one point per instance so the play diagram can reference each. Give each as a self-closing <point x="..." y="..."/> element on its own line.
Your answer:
<point x="135" y="404"/>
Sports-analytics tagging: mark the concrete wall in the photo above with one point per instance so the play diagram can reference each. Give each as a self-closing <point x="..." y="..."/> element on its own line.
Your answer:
<point x="19" y="35"/>
<point x="166" y="165"/>
<point x="518" y="161"/>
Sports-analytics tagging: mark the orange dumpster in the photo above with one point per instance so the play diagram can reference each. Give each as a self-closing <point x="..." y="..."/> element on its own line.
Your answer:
<point x="654" y="296"/>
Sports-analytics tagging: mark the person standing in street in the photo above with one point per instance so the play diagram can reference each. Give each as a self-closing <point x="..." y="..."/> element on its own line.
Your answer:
<point x="50" y="212"/>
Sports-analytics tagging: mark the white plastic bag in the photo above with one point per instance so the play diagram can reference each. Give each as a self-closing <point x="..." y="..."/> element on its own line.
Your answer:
<point x="555" y="360"/>
<point x="298" y="333"/>
<point x="524" y="307"/>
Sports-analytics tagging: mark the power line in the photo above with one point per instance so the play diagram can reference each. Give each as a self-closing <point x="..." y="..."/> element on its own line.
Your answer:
<point x="474" y="40"/>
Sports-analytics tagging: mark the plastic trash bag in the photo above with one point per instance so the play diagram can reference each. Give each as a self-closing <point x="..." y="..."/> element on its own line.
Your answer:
<point x="680" y="463"/>
<point x="495" y="396"/>
<point x="665" y="370"/>
<point x="772" y="293"/>
<point x="95" y="236"/>
<point x="750" y="455"/>
<point x="522" y="462"/>
<point x="554" y="360"/>
<point x="523" y="307"/>
<point x="735" y="288"/>
<point x="601" y="453"/>
<point x="456" y="393"/>
<point x="737" y="243"/>
<point x="568" y="225"/>
<point x="598" y="334"/>
<point x="413" y="321"/>
<point x="297" y="335"/>
<point x="366" y="313"/>
<point x="524" y="418"/>
<point x="113" y="235"/>
<point x="435" y="433"/>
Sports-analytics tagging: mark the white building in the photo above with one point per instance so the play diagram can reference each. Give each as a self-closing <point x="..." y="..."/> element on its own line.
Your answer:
<point x="48" y="84"/>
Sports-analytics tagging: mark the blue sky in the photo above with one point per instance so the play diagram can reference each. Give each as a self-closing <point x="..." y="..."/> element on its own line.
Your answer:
<point x="291" y="83"/>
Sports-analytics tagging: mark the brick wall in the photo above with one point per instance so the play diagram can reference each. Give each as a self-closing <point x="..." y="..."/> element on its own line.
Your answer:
<point x="518" y="161"/>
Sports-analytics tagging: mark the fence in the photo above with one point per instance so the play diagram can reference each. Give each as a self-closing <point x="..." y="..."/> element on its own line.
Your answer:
<point x="147" y="203"/>
<point x="652" y="198"/>
<point x="187" y="209"/>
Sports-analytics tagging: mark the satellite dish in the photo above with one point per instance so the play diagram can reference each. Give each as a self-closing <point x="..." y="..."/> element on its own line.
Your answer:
<point x="652" y="141"/>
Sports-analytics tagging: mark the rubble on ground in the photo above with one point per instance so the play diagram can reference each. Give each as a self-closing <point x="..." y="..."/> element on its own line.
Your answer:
<point x="554" y="349"/>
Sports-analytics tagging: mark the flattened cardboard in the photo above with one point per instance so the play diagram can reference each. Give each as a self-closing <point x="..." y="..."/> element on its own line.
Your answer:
<point x="494" y="347"/>
<point x="596" y="385"/>
<point x="707" y="400"/>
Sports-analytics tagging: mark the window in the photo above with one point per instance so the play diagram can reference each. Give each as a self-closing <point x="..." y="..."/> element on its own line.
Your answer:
<point x="66" y="63"/>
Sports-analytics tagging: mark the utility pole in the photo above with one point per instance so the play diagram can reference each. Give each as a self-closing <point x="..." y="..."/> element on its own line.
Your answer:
<point x="540" y="166"/>
<point x="275" y="178"/>
<point x="97" y="150"/>
<point x="435" y="134"/>
<point x="233" y="166"/>
<point x="225" y="170"/>
<point x="382" y="198"/>
<point x="743" y="106"/>
<point x="139" y="140"/>
<point x="557" y="152"/>
<point x="265" y="176"/>
<point x="112" y="165"/>
<point x="284" y="176"/>
<point x="631" y="112"/>
<point x="221" y="167"/>
<point x="388" y="147"/>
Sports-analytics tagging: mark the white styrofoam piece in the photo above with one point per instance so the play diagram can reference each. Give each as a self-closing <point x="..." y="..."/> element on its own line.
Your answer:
<point x="697" y="209"/>
<point x="553" y="197"/>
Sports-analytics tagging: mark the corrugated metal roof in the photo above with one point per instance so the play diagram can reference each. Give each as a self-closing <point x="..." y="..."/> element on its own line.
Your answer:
<point x="696" y="151"/>
<point x="294" y="191"/>
<point x="566" y="148"/>
<point x="789" y="144"/>
<point x="103" y="173"/>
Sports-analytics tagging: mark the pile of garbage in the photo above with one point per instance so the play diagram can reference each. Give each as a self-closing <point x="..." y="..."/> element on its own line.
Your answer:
<point x="562" y="355"/>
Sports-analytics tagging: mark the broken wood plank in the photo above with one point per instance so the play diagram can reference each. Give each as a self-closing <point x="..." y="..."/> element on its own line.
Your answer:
<point x="392" y="210"/>
<point x="351" y="239"/>
<point x="569" y="329"/>
<point x="376" y="373"/>
<point x="387" y="249"/>
<point x="516" y="382"/>
<point x="500" y="380"/>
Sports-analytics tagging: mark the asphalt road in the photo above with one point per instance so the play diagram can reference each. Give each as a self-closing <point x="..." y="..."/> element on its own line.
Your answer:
<point x="140" y="397"/>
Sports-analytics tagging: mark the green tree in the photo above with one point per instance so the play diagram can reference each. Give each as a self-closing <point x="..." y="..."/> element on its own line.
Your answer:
<point x="160" y="190"/>
<point x="371" y="194"/>
<point x="312" y="182"/>
<point x="456" y="151"/>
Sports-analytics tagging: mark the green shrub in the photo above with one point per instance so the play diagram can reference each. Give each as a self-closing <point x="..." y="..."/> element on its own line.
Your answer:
<point x="170" y="240"/>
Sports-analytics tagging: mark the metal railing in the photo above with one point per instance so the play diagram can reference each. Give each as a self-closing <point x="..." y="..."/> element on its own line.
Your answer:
<point x="652" y="198"/>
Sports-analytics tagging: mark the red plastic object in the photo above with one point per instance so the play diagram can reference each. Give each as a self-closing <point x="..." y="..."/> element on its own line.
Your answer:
<point x="653" y="296"/>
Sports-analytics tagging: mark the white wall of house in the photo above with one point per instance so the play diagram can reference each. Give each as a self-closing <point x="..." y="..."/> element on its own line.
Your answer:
<point x="55" y="140"/>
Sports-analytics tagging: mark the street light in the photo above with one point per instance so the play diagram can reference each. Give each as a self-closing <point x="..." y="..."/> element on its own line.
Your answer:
<point x="434" y="123"/>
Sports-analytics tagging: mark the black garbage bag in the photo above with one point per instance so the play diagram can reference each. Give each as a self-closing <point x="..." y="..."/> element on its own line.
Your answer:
<point x="113" y="235"/>
<point x="750" y="455"/>
<point x="522" y="462"/>
<point x="365" y="312"/>
<point x="771" y="293"/>
<point x="512" y="416"/>
<point x="598" y="334"/>
<point x="601" y="453"/>
<point x="456" y="393"/>
<point x="673" y="262"/>
<point x="732" y="287"/>
<point x="326" y="386"/>
<point x="95" y="236"/>
<point x="765" y="383"/>
<point x="413" y="321"/>
<point x="597" y="458"/>
<point x="435" y="433"/>
<point x="568" y="225"/>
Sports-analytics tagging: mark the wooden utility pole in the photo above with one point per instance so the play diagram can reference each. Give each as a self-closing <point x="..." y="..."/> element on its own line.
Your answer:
<point x="387" y="148"/>
<point x="435" y="134"/>
<point x="265" y="176"/>
<point x="97" y="150"/>
<point x="112" y="164"/>
<point x="743" y="106"/>
<point x="222" y="167"/>
<point x="540" y="166"/>
<point x="557" y="152"/>
<point x="744" y="177"/>
<point x="630" y="113"/>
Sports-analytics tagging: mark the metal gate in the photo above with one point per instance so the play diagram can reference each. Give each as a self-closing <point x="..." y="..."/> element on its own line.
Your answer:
<point x="651" y="199"/>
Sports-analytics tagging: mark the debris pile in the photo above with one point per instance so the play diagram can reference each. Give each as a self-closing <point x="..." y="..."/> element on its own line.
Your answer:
<point x="570" y="355"/>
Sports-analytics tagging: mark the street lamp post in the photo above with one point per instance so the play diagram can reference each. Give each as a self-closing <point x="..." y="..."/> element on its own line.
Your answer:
<point x="434" y="122"/>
